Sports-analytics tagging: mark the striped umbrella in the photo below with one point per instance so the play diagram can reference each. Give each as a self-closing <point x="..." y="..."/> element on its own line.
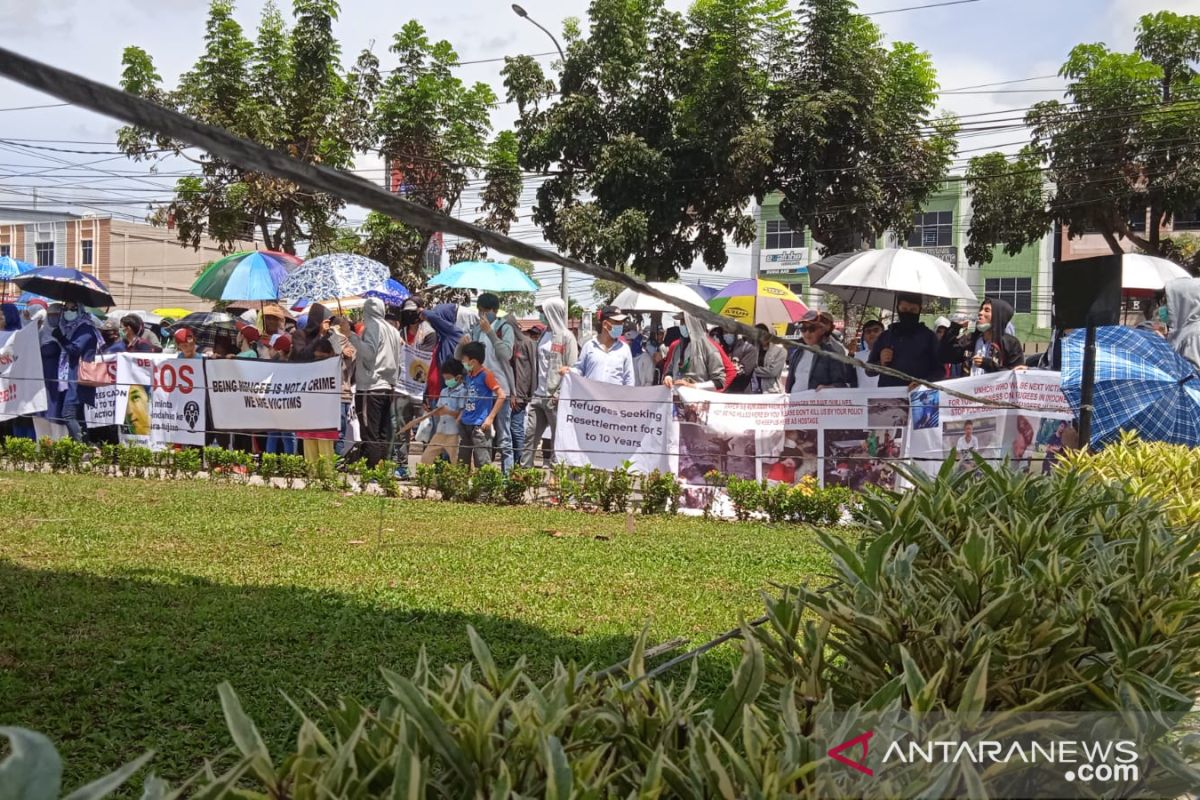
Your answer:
<point x="253" y="275"/>
<point x="758" y="302"/>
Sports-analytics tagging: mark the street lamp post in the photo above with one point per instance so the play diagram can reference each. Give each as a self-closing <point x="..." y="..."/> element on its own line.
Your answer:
<point x="523" y="14"/>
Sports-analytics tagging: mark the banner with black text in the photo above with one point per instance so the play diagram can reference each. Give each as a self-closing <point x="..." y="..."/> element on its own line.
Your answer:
<point x="247" y="394"/>
<point x="163" y="400"/>
<point x="22" y="388"/>
<point x="604" y="426"/>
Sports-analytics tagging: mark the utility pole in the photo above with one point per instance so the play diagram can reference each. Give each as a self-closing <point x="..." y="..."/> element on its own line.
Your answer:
<point x="523" y="14"/>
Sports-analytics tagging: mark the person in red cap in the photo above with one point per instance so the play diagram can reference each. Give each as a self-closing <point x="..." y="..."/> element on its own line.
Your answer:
<point x="279" y="348"/>
<point x="185" y="342"/>
<point x="247" y="342"/>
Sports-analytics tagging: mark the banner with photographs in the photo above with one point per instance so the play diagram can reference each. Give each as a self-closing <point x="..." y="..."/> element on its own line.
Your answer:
<point x="104" y="412"/>
<point x="163" y="402"/>
<point x="942" y="425"/>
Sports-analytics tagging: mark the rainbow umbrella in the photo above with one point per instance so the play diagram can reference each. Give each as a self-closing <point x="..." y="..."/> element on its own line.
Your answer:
<point x="758" y="302"/>
<point x="253" y="275"/>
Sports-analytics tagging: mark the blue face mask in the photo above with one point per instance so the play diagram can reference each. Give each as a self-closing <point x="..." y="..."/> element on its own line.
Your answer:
<point x="616" y="330"/>
<point x="685" y="333"/>
<point x="491" y="316"/>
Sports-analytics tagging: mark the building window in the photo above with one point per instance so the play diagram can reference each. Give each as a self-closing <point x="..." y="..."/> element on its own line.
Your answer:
<point x="5" y="250"/>
<point x="1017" y="292"/>
<point x="1184" y="221"/>
<point x="780" y="235"/>
<point x="85" y="252"/>
<point x="932" y="229"/>
<point x="45" y="253"/>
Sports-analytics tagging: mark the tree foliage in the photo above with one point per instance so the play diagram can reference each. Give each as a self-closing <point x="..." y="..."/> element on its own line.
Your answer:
<point x="285" y="90"/>
<point x="1124" y="144"/>
<point x="857" y="150"/>
<point x="655" y="144"/>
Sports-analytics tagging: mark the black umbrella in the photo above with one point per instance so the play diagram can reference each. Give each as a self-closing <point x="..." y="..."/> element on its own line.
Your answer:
<point x="67" y="285"/>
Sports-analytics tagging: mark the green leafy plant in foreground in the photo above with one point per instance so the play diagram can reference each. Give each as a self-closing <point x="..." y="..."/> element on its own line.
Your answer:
<point x="32" y="770"/>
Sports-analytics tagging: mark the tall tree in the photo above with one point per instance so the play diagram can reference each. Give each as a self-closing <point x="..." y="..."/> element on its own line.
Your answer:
<point x="655" y="144"/>
<point x="1122" y="147"/>
<point x="433" y="130"/>
<point x="857" y="149"/>
<point x="285" y="90"/>
<point x="500" y="197"/>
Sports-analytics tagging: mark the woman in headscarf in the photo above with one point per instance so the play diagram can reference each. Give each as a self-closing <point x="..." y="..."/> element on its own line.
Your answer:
<point x="12" y="317"/>
<point x="78" y="340"/>
<point x="1183" y="316"/>
<point x="37" y="313"/>
<point x="447" y="322"/>
<point x="312" y="344"/>
<point x="694" y="361"/>
<point x="556" y="348"/>
<point x="380" y="354"/>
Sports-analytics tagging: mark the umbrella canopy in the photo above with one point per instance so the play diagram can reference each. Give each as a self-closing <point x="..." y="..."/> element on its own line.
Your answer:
<point x="819" y="269"/>
<point x="173" y="313"/>
<point x="876" y="277"/>
<point x="706" y="292"/>
<point x="1142" y="274"/>
<point x="336" y="275"/>
<point x="635" y="302"/>
<point x="393" y="294"/>
<point x="1141" y="385"/>
<point x="11" y="268"/>
<point x="758" y="302"/>
<point x="208" y="326"/>
<point x="67" y="285"/>
<point x="485" y="276"/>
<point x="252" y="275"/>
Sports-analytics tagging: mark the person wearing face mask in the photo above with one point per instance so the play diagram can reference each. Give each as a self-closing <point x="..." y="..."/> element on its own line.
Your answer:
<point x="557" y="348"/>
<point x="767" y="377"/>
<point x="988" y="349"/>
<point x="807" y="370"/>
<point x="643" y="360"/>
<point x="78" y="340"/>
<point x="908" y="346"/>
<point x="133" y="338"/>
<point x="743" y="355"/>
<point x="498" y="336"/>
<point x="45" y="319"/>
<point x="1183" y="314"/>
<point x="693" y="360"/>
<point x="606" y="358"/>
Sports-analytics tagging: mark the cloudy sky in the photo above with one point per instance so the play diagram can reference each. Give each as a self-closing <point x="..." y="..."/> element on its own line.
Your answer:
<point x="982" y="42"/>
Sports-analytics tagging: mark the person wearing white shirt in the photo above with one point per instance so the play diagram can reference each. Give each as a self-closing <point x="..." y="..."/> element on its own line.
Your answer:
<point x="606" y="358"/>
<point x="871" y="330"/>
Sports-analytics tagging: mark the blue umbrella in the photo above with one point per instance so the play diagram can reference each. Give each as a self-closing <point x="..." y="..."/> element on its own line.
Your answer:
<point x="394" y="294"/>
<point x="66" y="284"/>
<point x="253" y="275"/>
<point x="485" y="276"/>
<point x="1142" y="385"/>
<point x="707" y="292"/>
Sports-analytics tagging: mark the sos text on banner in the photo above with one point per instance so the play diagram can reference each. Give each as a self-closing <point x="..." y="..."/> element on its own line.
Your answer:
<point x="163" y="402"/>
<point x="22" y="390"/>
<point x="604" y="426"/>
<point x="252" y="395"/>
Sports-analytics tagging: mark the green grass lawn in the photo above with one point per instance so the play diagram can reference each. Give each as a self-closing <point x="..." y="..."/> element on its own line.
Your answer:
<point x="123" y="603"/>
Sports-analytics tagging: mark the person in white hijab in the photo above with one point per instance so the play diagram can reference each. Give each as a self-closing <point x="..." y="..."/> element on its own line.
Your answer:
<point x="556" y="348"/>
<point x="694" y="361"/>
<point x="1183" y="317"/>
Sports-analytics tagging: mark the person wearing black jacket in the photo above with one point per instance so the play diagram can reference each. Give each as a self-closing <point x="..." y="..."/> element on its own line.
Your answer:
<point x="807" y="370"/>
<point x="907" y="346"/>
<point x="988" y="349"/>
<point x="525" y="366"/>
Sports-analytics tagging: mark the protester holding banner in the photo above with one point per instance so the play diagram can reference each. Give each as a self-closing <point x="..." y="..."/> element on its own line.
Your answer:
<point x="419" y="340"/>
<point x="742" y="353"/>
<point x="379" y="356"/>
<point x="643" y="359"/>
<point x="693" y="360"/>
<point x="908" y="346"/>
<point x="807" y="370"/>
<point x="274" y="319"/>
<point x="556" y="350"/>
<point x="447" y="433"/>
<point x="869" y="334"/>
<point x="77" y="340"/>
<point x="989" y="349"/>
<point x="185" y="343"/>
<point x="339" y="337"/>
<point x="247" y="342"/>
<point x="771" y="358"/>
<point x="606" y="358"/>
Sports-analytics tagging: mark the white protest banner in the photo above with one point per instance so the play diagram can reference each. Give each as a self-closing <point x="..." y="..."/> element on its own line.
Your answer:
<point x="247" y="394"/>
<point x="104" y="412"/>
<point x="1029" y="438"/>
<point x="604" y="426"/>
<point x="163" y="401"/>
<point x="415" y="370"/>
<point x="22" y="388"/>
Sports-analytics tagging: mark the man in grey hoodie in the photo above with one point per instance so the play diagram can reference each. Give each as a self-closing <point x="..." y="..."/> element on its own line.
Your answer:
<point x="497" y="337"/>
<point x="1183" y="317"/>
<point x="557" y="348"/>
<point x="378" y="368"/>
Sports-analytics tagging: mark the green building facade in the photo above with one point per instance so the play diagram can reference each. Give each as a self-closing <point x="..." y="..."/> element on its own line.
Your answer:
<point x="940" y="229"/>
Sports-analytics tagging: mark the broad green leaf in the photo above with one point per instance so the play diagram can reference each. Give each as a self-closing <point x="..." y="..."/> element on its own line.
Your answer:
<point x="32" y="770"/>
<point x="246" y="736"/>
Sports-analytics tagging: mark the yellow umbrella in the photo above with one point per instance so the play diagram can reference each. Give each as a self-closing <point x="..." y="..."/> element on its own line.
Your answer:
<point x="757" y="302"/>
<point x="173" y="313"/>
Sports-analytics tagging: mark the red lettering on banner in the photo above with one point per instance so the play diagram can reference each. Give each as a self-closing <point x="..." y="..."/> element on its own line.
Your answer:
<point x="170" y="377"/>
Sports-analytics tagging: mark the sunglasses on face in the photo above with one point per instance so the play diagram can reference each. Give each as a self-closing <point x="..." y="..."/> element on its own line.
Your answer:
<point x="809" y="328"/>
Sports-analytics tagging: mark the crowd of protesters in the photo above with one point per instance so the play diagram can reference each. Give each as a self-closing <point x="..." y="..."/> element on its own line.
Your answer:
<point x="491" y="390"/>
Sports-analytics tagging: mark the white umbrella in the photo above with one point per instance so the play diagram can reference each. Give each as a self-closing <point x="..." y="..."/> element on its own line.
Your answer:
<point x="636" y="302"/>
<point x="876" y="277"/>
<point x="1142" y="273"/>
<point x="146" y="316"/>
